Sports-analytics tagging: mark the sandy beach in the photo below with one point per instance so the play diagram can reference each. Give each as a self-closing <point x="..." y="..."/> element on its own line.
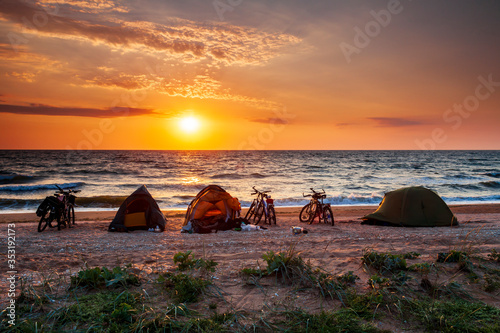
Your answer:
<point x="336" y="249"/>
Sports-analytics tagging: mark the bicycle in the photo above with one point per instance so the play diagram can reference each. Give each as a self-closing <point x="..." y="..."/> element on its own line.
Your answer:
<point x="263" y="205"/>
<point x="59" y="207"/>
<point x="316" y="208"/>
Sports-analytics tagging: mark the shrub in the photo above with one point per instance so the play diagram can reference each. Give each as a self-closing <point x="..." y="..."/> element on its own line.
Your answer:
<point x="494" y="255"/>
<point x="452" y="256"/>
<point x="423" y="268"/>
<point x="183" y="288"/>
<point x="348" y="278"/>
<point x="186" y="261"/>
<point x="491" y="283"/>
<point x="102" y="277"/>
<point x="384" y="262"/>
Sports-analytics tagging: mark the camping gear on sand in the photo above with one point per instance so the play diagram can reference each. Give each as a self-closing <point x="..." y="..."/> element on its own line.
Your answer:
<point x="299" y="230"/>
<point x="138" y="212"/>
<point x="412" y="207"/>
<point x="212" y="209"/>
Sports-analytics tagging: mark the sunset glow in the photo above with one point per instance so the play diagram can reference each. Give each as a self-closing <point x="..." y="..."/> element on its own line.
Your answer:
<point x="189" y="124"/>
<point x="267" y="75"/>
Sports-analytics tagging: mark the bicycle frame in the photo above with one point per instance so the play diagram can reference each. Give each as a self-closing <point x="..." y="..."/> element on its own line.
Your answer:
<point x="265" y="203"/>
<point x="59" y="208"/>
<point x="316" y="208"/>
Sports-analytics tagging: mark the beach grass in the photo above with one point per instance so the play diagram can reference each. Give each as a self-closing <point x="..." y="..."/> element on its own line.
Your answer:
<point x="186" y="297"/>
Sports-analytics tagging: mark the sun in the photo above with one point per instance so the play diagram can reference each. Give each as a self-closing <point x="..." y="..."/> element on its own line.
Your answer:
<point x="189" y="124"/>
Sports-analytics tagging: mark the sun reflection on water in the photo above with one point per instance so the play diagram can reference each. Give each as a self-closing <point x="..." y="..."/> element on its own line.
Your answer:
<point x="190" y="180"/>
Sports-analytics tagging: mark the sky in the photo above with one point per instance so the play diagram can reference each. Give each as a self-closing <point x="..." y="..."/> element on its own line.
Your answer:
<point x="249" y="74"/>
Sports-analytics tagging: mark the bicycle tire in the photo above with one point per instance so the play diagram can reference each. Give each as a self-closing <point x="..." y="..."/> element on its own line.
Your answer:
<point x="328" y="216"/>
<point x="272" y="215"/>
<point x="258" y="213"/>
<point x="44" y="220"/>
<point x="315" y="211"/>
<point x="59" y="216"/>
<point x="305" y="213"/>
<point x="71" y="216"/>
<point x="250" y="211"/>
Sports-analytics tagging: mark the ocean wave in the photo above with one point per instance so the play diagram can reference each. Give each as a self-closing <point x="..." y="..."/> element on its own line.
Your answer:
<point x="351" y="199"/>
<point x="101" y="201"/>
<point x="460" y="176"/>
<point x="101" y="172"/>
<point x="491" y="184"/>
<point x="39" y="187"/>
<point x="492" y="174"/>
<point x="482" y="199"/>
<point x="238" y="176"/>
<point x="18" y="204"/>
<point x="15" y="179"/>
<point x="184" y="197"/>
<point x="462" y="186"/>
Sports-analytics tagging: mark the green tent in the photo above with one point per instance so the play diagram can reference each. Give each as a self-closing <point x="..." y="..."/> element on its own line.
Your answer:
<point x="412" y="207"/>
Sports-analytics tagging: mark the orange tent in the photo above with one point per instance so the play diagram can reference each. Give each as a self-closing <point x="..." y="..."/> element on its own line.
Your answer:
<point x="213" y="200"/>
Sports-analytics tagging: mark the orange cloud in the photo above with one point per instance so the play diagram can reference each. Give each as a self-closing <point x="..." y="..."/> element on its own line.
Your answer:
<point x="395" y="122"/>
<point x="47" y="110"/>
<point x="88" y="6"/>
<point x="191" y="41"/>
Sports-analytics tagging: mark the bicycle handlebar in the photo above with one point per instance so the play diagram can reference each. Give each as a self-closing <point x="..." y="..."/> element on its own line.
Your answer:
<point x="62" y="191"/>
<point x="257" y="191"/>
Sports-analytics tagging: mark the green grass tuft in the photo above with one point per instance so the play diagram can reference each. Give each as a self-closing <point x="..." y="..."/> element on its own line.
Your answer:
<point x="452" y="256"/>
<point x="96" y="278"/>
<point x="384" y="262"/>
<point x="183" y="288"/>
<point x="494" y="255"/>
<point x="186" y="261"/>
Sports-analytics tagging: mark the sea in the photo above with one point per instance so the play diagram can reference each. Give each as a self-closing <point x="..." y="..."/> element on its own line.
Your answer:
<point x="106" y="178"/>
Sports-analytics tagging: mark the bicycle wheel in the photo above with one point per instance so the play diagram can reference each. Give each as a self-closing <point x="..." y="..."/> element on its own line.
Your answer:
<point x="271" y="215"/>
<point x="328" y="215"/>
<point x="61" y="219"/>
<point x="45" y="220"/>
<point x="71" y="216"/>
<point x="305" y="213"/>
<point x="250" y="212"/>
<point x="259" y="212"/>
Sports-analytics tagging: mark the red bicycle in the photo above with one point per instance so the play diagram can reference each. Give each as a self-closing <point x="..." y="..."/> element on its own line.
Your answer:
<point x="261" y="206"/>
<point x="316" y="208"/>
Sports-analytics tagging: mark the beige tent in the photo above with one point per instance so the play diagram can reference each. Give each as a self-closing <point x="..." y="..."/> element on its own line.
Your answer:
<point x="138" y="212"/>
<point x="412" y="207"/>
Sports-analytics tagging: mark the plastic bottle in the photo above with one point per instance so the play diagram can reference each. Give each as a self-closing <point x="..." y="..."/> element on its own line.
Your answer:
<point x="299" y="230"/>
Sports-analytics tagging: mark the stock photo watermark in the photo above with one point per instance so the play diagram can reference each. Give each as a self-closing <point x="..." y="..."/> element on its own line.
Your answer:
<point x="267" y="134"/>
<point x="37" y="21"/>
<point x="372" y="29"/>
<point x="11" y="274"/>
<point x="455" y="116"/>
<point x="94" y="137"/>
<point x="223" y="6"/>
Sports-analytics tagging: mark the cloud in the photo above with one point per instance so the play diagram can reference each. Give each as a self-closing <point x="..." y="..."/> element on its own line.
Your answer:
<point x="188" y="40"/>
<point x="89" y="6"/>
<point x="22" y="76"/>
<point x="115" y="78"/>
<point x="47" y="110"/>
<point x="395" y="122"/>
<point x="345" y="124"/>
<point x="275" y="121"/>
